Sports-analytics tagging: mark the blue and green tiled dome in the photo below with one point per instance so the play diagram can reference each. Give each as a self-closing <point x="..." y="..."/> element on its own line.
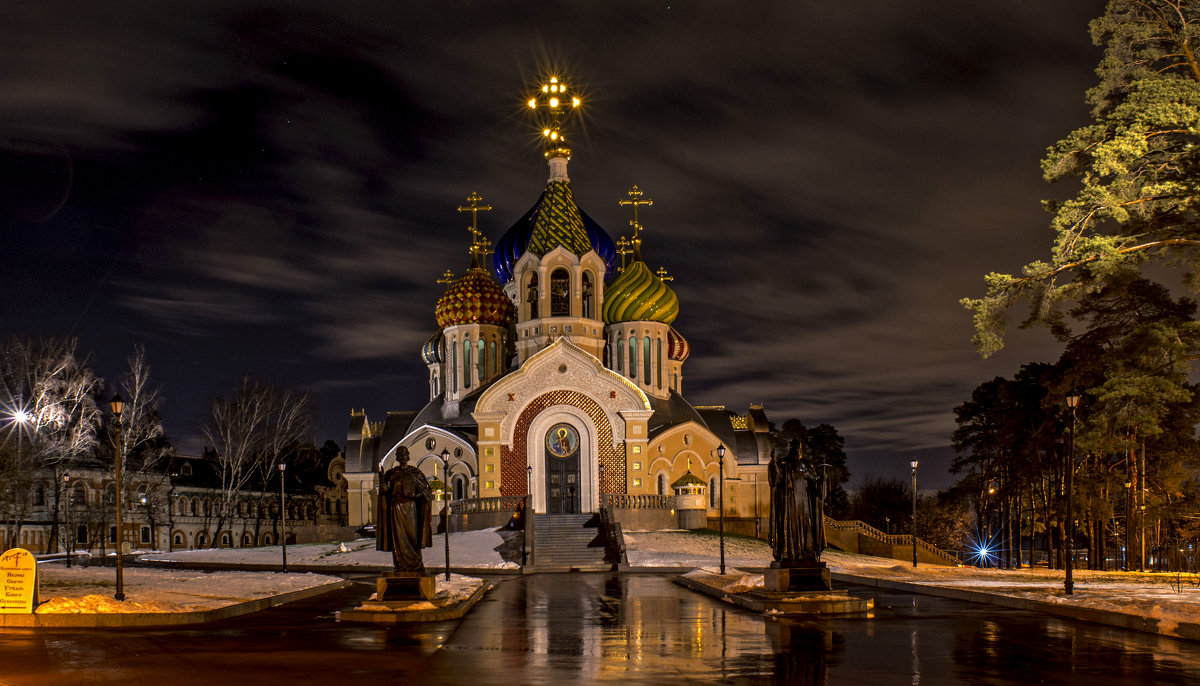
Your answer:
<point x="553" y="220"/>
<point x="639" y="295"/>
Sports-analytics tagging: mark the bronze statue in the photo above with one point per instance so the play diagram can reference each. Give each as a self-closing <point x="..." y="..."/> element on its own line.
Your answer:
<point x="797" y="527"/>
<point x="405" y="521"/>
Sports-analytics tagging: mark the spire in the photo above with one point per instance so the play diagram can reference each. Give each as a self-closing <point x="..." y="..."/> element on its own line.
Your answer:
<point x="551" y="104"/>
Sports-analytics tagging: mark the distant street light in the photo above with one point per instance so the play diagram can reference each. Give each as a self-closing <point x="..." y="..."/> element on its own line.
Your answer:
<point x="1069" y="581"/>
<point x="913" y="463"/>
<point x="283" y="514"/>
<point x="721" y="478"/>
<point x="446" y="506"/>
<point x="117" y="405"/>
<point x="67" y="515"/>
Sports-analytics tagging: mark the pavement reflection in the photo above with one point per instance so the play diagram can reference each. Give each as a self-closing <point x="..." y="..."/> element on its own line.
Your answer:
<point x="604" y="628"/>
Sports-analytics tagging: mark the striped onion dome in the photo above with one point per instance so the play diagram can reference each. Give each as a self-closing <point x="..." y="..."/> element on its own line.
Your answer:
<point x="677" y="346"/>
<point x="553" y="220"/>
<point x="431" y="352"/>
<point x="474" y="299"/>
<point x="639" y="295"/>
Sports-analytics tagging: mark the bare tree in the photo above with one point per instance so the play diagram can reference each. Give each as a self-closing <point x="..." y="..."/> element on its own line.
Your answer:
<point x="250" y="430"/>
<point x="50" y="417"/>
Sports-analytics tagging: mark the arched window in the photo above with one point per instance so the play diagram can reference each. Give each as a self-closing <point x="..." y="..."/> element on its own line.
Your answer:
<point x="495" y="358"/>
<point x="178" y="538"/>
<point x="39" y="496"/>
<point x="658" y="357"/>
<point x="646" y="378"/>
<point x="201" y="539"/>
<point x="247" y="540"/>
<point x="454" y="367"/>
<point x="662" y="484"/>
<point x="560" y="293"/>
<point x="80" y="497"/>
<point x="531" y="295"/>
<point x="481" y="359"/>
<point x="466" y="368"/>
<point x="632" y="356"/>
<point x="460" y="488"/>
<point x="712" y="493"/>
<point x="620" y="350"/>
<point x="587" y="293"/>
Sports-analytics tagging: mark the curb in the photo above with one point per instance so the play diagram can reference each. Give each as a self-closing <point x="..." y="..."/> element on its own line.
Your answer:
<point x="1150" y="625"/>
<point x="371" y="570"/>
<point x="141" y="619"/>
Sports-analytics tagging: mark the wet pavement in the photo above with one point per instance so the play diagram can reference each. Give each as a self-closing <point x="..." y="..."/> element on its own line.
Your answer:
<point x="605" y="628"/>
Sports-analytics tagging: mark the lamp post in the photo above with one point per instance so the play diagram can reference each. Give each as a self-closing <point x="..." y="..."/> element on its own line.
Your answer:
<point x="1069" y="581"/>
<point x="117" y="405"/>
<point x="528" y="512"/>
<point x="67" y="515"/>
<point x="913" y="463"/>
<point x="721" y="479"/>
<point x="283" y="514"/>
<point x="446" y="506"/>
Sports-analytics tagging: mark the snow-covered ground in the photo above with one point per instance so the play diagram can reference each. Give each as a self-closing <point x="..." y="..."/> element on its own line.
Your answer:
<point x="1167" y="597"/>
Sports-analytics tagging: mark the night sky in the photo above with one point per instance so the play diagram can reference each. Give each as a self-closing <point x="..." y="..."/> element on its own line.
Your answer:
<point x="270" y="188"/>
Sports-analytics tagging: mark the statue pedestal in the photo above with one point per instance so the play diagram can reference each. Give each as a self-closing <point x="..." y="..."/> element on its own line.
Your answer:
<point x="796" y="576"/>
<point x="404" y="587"/>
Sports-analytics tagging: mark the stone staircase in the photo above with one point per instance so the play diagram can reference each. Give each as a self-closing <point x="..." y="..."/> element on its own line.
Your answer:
<point x="568" y="543"/>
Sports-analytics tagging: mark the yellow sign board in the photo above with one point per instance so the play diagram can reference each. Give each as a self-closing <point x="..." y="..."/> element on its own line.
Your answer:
<point x="18" y="570"/>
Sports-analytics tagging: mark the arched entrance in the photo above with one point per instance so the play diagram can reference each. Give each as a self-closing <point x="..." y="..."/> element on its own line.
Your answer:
<point x="563" y="482"/>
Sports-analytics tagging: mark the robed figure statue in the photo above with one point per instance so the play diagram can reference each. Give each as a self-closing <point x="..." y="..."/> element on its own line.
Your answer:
<point x="797" y="528"/>
<point x="405" y="521"/>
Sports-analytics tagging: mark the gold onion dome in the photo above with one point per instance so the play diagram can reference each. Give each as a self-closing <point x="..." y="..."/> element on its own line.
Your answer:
<point x="475" y="298"/>
<point x="639" y="295"/>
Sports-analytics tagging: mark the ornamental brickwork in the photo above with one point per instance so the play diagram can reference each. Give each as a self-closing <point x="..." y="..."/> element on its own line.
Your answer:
<point x="513" y="459"/>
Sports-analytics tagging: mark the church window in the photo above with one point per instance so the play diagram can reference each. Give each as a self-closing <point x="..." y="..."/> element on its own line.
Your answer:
<point x="620" y="355"/>
<point x="531" y="296"/>
<point x="481" y="361"/>
<point x="495" y="358"/>
<point x="560" y="293"/>
<point x="676" y="384"/>
<point x="662" y="484"/>
<point x="454" y="367"/>
<point x="460" y="487"/>
<point x="632" y="356"/>
<point x="178" y="539"/>
<point x="587" y="293"/>
<point x="646" y="378"/>
<point x="658" y="363"/>
<point x="466" y="367"/>
<point x="712" y="493"/>
<point x="39" y="496"/>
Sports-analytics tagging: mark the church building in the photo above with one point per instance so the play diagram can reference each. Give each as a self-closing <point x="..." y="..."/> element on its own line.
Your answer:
<point x="555" y="373"/>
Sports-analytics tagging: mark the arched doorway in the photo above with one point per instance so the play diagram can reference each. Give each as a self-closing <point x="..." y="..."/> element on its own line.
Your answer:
<point x="563" y="483"/>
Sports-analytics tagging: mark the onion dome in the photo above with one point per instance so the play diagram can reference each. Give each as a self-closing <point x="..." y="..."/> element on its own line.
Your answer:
<point x="431" y="352"/>
<point x="553" y="220"/>
<point x="639" y="295"/>
<point x="474" y="299"/>
<point x="677" y="346"/>
<point x="688" y="479"/>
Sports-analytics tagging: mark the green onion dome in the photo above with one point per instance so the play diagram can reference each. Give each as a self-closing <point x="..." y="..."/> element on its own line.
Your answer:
<point x="476" y="298"/>
<point x="688" y="479"/>
<point x="639" y="295"/>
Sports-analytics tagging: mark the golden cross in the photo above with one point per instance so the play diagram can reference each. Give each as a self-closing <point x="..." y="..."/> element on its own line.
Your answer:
<point x="662" y="274"/>
<point x="623" y="249"/>
<point x="636" y="195"/>
<point x="447" y="277"/>
<point x="474" y="208"/>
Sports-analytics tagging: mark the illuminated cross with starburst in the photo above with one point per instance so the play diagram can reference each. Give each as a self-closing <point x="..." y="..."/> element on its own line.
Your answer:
<point x="556" y="102"/>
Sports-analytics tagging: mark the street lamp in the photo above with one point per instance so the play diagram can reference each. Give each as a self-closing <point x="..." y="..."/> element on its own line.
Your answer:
<point x="446" y="506"/>
<point x="67" y="514"/>
<point x="721" y="478"/>
<point x="526" y="512"/>
<point x="913" y="463"/>
<point x="283" y="514"/>
<point x="1069" y="581"/>
<point x="117" y="405"/>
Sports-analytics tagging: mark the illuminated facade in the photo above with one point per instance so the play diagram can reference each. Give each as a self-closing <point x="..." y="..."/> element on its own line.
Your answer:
<point x="556" y="372"/>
